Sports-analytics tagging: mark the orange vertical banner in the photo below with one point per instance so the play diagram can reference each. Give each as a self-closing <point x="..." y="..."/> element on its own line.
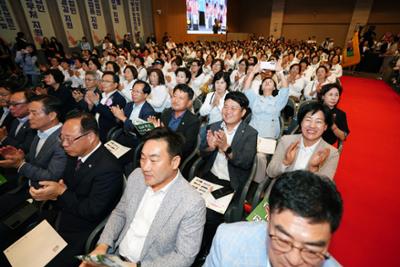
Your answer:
<point x="351" y="54"/>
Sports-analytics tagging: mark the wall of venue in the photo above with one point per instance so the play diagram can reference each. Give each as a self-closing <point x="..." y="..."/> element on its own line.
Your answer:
<point x="301" y="18"/>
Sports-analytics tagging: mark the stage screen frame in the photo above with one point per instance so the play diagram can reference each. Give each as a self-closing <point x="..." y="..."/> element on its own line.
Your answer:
<point x="201" y="16"/>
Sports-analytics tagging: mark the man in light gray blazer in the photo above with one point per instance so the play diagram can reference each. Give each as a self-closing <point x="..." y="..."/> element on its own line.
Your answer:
<point x="160" y="218"/>
<point x="307" y="151"/>
<point x="46" y="159"/>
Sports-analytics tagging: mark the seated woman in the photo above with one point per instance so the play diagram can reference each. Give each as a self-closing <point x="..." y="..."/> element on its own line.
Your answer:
<point x="130" y="74"/>
<point x="307" y="151"/>
<point x="330" y="96"/>
<point x="237" y="76"/>
<point x="296" y="82"/>
<point x="159" y="98"/>
<point x="198" y="77"/>
<point x="314" y="87"/>
<point x="212" y="106"/>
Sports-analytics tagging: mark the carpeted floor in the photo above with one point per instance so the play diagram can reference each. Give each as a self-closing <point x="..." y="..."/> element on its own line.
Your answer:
<point x="368" y="176"/>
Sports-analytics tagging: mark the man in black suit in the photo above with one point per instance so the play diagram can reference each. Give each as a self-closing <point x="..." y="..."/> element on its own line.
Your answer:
<point x="180" y="119"/>
<point x="5" y="115"/>
<point x="110" y="98"/>
<point x="21" y="135"/>
<point x="91" y="187"/>
<point x="229" y="155"/>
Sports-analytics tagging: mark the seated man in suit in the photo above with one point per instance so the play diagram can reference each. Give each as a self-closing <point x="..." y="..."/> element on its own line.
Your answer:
<point x="160" y="218"/>
<point x="305" y="209"/>
<point x="6" y="117"/>
<point x="137" y="109"/>
<point x="91" y="84"/>
<point x="90" y="189"/>
<point x="21" y="135"/>
<point x="46" y="159"/>
<point x="110" y="98"/>
<point x="229" y="155"/>
<point x="307" y="151"/>
<point x="180" y="119"/>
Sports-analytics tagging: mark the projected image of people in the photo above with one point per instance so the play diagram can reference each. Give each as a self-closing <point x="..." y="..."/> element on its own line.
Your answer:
<point x="206" y="16"/>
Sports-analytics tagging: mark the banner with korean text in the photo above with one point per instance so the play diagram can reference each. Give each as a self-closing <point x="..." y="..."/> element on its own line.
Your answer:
<point x="8" y="24"/>
<point x="71" y="19"/>
<point x="136" y="19"/>
<point x="118" y="19"/>
<point x="38" y="18"/>
<point x="96" y="20"/>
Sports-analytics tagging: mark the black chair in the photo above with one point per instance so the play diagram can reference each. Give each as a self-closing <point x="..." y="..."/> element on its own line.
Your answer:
<point x="191" y="156"/>
<point x="235" y="212"/>
<point x="95" y="234"/>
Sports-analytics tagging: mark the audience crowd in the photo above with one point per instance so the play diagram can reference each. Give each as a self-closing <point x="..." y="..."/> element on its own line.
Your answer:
<point x="213" y="100"/>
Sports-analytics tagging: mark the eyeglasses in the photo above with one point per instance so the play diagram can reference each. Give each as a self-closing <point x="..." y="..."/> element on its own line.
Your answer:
<point x="89" y="80"/>
<point x="16" y="103"/>
<point x="70" y="140"/>
<point x="285" y="246"/>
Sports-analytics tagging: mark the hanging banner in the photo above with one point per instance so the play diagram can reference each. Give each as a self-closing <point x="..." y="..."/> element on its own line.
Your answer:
<point x="8" y="24"/>
<point x="96" y="20"/>
<point x="136" y="19"/>
<point x="71" y="21"/>
<point x="38" y="18"/>
<point x="118" y="19"/>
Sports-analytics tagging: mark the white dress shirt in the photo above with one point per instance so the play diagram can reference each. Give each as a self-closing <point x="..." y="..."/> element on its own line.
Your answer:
<point x="220" y="166"/>
<point x="44" y="135"/>
<point x="303" y="156"/>
<point x="135" y="111"/>
<point x="132" y="244"/>
<point x="84" y="158"/>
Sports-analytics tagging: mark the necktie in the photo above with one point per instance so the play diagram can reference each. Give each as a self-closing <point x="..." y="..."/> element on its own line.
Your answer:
<point x="78" y="164"/>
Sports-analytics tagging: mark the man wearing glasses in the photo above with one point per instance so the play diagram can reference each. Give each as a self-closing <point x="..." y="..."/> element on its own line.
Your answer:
<point x="305" y="210"/>
<point x="21" y="135"/>
<point x="89" y="190"/>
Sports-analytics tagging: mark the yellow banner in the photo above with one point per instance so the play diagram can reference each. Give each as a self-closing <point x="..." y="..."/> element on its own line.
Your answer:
<point x="118" y="19"/>
<point x="8" y="24"/>
<point x="96" y="20"/>
<point x="351" y="53"/>
<point x="71" y="19"/>
<point x="38" y="18"/>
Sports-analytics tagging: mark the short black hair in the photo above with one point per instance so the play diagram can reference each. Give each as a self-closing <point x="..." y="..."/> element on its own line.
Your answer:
<point x="88" y="121"/>
<point x="133" y="70"/>
<point x="141" y="59"/>
<point x="307" y="195"/>
<point x="115" y="66"/>
<point x="327" y="87"/>
<point x="186" y="89"/>
<point x="174" y="140"/>
<point x="274" y="92"/>
<point x="57" y="75"/>
<point x="95" y="61"/>
<point x="50" y="104"/>
<point x="186" y="71"/>
<point x="160" y="74"/>
<point x="146" y="87"/>
<point x="222" y="75"/>
<point x="314" y="107"/>
<point x="115" y="76"/>
<point x="239" y="98"/>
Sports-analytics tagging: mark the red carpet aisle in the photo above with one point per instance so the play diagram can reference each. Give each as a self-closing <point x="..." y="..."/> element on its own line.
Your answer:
<point x="368" y="176"/>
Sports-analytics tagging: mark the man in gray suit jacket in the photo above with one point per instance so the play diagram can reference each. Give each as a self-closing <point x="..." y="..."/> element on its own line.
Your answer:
<point x="159" y="220"/>
<point x="46" y="159"/>
<point x="307" y="151"/>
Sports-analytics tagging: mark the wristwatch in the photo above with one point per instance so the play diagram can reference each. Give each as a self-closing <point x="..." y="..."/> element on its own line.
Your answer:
<point x="228" y="151"/>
